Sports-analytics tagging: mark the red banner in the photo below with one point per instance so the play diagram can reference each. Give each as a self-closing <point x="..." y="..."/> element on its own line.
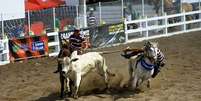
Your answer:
<point x="29" y="47"/>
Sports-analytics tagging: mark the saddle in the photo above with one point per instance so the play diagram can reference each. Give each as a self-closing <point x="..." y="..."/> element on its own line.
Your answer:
<point x="128" y="52"/>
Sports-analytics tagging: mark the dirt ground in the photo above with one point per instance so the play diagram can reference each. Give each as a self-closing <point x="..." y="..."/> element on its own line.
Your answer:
<point x="179" y="80"/>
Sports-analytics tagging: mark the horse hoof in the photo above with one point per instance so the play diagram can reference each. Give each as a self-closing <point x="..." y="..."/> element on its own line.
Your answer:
<point x="108" y="91"/>
<point x="69" y="94"/>
<point x="148" y="86"/>
<point x="61" y="96"/>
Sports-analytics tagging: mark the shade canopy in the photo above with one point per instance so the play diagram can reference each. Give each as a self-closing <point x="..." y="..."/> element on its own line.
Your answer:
<point x="33" y="5"/>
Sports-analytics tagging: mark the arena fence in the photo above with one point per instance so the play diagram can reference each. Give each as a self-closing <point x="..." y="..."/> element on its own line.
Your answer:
<point x="53" y="43"/>
<point x="4" y="52"/>
<point x="135" y="30"/>
<point x="167" y="25"/>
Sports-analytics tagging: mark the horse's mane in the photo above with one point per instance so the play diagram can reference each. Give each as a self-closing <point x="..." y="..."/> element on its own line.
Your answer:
<point x="64" y="52"/>
<point x="128" y="52"/>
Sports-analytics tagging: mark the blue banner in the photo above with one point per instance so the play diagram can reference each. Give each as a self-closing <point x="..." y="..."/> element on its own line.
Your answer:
<point x="37" y="46"/>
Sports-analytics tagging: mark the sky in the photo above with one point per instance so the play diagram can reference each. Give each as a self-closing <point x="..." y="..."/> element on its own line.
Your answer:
<point x="190" y="1"/>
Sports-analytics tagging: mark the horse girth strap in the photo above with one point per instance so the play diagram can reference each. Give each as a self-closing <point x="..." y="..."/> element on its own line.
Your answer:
<point x="146" y="65"/>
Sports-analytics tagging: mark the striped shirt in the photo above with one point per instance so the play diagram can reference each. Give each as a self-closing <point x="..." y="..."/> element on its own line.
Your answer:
<point x="76" y="41"/>
<point x="91" y="20"/>
<point x="160" y="56"/>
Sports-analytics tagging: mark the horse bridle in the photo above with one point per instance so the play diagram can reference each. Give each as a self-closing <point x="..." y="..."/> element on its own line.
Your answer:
<point x="148" y="48"/>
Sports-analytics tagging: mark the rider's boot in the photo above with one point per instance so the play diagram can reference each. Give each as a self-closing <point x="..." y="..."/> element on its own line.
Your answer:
<point x="156" y="71"/>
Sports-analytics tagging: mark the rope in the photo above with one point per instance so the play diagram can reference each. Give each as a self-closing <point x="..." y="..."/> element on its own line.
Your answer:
<point x="109" y="52"/>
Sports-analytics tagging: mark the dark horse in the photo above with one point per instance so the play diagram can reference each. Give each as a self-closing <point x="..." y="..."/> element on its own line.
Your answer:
<point x="64" y="80"/>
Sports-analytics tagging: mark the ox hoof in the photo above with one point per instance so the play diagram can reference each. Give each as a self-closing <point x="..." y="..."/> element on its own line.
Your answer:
<point x="75" y="96"/>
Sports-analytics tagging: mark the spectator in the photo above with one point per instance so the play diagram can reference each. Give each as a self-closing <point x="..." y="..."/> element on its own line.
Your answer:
<point x="127" y="13"/>
<point x="91" y="19"/>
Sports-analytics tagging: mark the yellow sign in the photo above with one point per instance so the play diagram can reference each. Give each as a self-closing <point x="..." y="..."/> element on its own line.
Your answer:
<point x="116" y="28"/>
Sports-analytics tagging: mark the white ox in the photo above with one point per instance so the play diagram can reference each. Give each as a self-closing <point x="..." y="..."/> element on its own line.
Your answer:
<point x="80" y="65"/>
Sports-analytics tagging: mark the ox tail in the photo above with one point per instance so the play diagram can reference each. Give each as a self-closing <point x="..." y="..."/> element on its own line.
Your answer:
<point x="106" y="69"/>
<point x="110" y="73"/>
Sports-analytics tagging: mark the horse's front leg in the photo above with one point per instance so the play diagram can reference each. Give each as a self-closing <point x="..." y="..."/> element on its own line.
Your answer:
<point x="62" y="86"/>
<point x="130" y="70"/>
<point x="78" y="80"/>
<point x="149" y="78"/>
<point x="135" y="81"/>
<point x="148" y="83"/>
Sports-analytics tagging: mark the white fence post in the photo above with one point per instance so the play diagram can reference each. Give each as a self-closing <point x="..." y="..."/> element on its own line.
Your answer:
<point x="146" y="26"/>
<point x="141" y="25"/>
<point x="166" y="24"/>
<point x="54" y="45"/>
<point x="125" y="29"/>
<point x="184" y="21"/>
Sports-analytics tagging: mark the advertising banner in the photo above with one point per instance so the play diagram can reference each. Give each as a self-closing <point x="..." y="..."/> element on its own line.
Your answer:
<point x="64" y="35"/>
<point x="99" y="36"/>
<point x="106" y="35"/>
<point x="29" y="47"/>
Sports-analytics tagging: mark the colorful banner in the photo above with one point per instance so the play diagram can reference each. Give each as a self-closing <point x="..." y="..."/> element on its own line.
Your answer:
<point x="29" y="47"/>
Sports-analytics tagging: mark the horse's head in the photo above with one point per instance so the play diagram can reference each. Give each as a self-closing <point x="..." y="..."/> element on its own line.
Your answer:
<point x="65" y="43"/>
<point x="151" y="50"/>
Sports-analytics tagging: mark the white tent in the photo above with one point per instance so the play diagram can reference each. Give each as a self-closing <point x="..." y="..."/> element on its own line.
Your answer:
<point x="12" y="9"/>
